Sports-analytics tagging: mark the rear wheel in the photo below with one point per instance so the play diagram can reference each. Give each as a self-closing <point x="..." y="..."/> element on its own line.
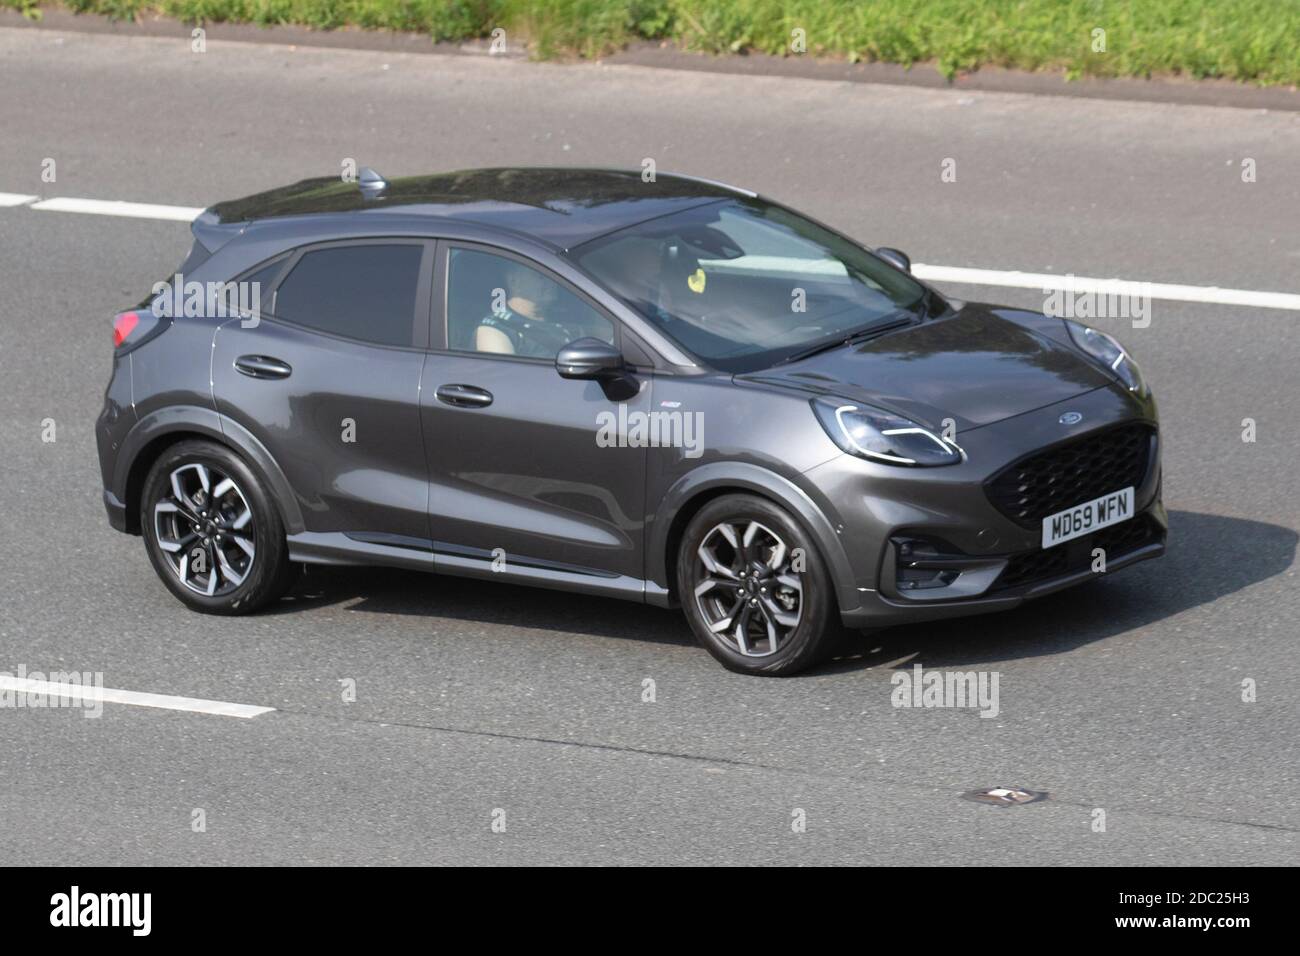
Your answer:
<point x="212" y="531"/>
<point x="754" y="588"/>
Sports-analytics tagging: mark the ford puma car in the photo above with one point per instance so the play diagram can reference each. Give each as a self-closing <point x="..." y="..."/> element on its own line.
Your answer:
<point x="674" y="392"/>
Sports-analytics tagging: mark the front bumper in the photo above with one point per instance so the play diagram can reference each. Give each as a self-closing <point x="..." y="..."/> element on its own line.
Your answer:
<point x="881" y="608"/>
<point x="892" y="520"/>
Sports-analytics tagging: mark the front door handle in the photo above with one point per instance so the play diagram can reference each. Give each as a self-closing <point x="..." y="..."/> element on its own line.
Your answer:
<point x="262" y="366"/>
<point x="464" y="396"/>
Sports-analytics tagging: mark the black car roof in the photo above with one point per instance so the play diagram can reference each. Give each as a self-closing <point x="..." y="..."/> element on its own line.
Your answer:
<point x="562" y="206"/>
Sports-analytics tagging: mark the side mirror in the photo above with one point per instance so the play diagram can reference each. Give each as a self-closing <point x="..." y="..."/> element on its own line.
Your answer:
<point x="896" y="258"/>
<point x="589" y="358"/>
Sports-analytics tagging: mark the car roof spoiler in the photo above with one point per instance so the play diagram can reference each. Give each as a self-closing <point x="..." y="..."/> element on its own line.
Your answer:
<point x="212" y="233"/>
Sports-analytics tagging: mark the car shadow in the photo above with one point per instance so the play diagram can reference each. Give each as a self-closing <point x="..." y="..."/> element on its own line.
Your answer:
<point x="1210" y="556"/>
<point x="395" y="591"/>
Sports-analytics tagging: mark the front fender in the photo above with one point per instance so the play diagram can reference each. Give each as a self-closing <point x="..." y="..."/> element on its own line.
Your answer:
<point x="741" y="476"/>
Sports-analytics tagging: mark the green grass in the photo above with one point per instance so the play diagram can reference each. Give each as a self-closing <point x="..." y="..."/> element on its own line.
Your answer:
<point x="1256" y="41"/>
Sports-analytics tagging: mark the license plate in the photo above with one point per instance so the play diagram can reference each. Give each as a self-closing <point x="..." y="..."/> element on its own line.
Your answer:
<point x="1088" y="517"/>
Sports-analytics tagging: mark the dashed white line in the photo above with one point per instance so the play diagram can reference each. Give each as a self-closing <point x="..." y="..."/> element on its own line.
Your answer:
<point x="1212" y="295"/>
<point x="131" y="210"/>
<point x="92" y="694"/>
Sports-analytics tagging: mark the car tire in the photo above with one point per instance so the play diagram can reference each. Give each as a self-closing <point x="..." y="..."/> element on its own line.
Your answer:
<point x="212" y="530"/>
<point x="747" y="572"/>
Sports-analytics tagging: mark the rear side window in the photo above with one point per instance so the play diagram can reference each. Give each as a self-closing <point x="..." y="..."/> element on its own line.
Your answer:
<point x="264" y="277"/>
<point x="364" y="292"/>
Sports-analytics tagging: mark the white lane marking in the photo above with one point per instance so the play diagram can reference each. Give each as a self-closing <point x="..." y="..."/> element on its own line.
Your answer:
<point x="131" y="210"/>
<point x="1156" y="290"/>
<point x="194" y="705"/>
<point x="1012" y="280"/>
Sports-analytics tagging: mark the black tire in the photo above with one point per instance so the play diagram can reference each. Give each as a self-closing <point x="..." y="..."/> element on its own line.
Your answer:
<point x="814" y="633"/>
<point x="268" y="573"/>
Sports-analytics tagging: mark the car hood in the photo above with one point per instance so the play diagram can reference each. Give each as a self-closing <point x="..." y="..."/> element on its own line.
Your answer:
<point x="975" y="366"/>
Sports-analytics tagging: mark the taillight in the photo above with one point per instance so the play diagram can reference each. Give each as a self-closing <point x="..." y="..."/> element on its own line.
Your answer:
<point x="123" y="326"/>
<point x="132" y="329"/>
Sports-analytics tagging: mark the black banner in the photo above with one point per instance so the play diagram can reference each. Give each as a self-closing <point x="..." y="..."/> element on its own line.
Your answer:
<point x="217" y="905"/>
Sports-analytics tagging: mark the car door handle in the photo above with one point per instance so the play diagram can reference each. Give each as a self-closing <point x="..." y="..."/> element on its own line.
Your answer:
<point x="464" y="396"/>
<point x="262" y="366"/>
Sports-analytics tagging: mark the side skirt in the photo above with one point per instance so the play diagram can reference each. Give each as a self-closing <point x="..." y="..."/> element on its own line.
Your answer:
<point x="420" y="554"/>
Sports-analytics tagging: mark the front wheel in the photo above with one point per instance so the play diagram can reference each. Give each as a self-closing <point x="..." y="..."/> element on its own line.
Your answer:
<point x="212" y="531"/>
<point x="754" y="588"/>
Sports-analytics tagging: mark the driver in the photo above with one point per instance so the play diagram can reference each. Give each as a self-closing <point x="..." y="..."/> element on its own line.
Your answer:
<point x="522" y="326"/>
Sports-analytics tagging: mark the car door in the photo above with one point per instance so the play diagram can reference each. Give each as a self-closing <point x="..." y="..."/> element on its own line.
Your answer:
<point x="328" y="379"/>
<point x="524" y="469"/>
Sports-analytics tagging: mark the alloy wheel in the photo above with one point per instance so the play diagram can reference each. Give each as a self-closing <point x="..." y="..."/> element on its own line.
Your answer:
<point x="746" y="587"/>
<point x="205" y="528"/>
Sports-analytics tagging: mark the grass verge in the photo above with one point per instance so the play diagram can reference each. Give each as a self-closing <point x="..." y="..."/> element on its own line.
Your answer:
<point x="1256" y="41"/>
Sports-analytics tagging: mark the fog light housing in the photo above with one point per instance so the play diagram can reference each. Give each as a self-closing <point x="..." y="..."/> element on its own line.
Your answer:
<point x="928" y="568"/>
<point x="923" y="564"/>
<point x="919" y="579"/>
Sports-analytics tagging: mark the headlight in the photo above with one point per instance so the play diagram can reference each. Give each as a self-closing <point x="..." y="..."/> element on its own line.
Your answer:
<point x="882" y="436"/>
<point x="1106" y="350"/>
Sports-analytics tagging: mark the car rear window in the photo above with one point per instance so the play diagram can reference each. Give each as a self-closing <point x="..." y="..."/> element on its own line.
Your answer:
<point x="364" y="292"/>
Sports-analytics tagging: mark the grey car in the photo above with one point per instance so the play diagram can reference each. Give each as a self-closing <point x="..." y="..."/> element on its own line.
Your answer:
<point x="671" y="391"/>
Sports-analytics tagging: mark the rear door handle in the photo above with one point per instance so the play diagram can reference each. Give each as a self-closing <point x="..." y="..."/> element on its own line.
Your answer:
<point x="464" y="396"/>
<point x="262" y="366"/>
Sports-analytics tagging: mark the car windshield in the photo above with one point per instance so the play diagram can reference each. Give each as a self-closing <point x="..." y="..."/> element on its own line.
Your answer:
<point x="744" y="285"/>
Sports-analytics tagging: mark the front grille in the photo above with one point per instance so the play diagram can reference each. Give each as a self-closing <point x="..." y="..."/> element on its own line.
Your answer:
<point x="1071" y="473"/>
<point x="1030" y="567"/>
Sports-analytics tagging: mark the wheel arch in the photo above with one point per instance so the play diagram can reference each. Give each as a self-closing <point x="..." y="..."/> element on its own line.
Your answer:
<point x="160" y="430"/>
<point x="693" y="491"/>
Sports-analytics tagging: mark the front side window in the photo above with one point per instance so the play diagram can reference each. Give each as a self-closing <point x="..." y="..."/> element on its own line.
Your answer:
<point x="499" y="305"/>
<point x="742" y="284"/>
<point x="364" y="292"/>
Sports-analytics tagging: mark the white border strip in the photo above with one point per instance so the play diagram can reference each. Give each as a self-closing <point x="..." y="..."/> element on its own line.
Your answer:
<point x="1154" y="290"/>
<point x="130" y="210"/>
<point x="16" y="199"/>
<point x="193" y="705"/>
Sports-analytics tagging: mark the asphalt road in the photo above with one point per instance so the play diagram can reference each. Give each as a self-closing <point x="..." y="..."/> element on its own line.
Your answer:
<point x="1123" y="695"/>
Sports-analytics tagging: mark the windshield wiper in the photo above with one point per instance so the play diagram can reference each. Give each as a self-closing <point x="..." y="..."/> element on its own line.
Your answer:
<point x="861" y="335"/>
